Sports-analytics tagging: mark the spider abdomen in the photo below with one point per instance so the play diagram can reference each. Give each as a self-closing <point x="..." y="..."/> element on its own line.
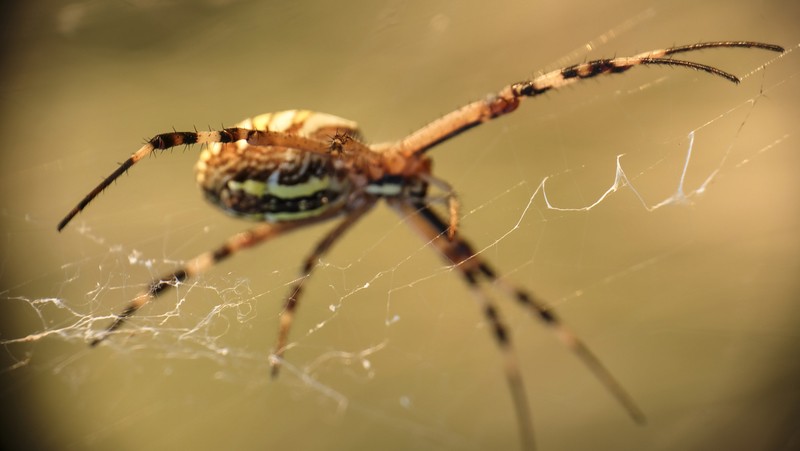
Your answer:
<point x="272" y="183"/>
<point x="282" y="185"/>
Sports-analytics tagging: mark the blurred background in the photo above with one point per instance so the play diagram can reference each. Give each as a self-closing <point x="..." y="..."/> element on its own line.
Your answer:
<point x="694" y="306"/>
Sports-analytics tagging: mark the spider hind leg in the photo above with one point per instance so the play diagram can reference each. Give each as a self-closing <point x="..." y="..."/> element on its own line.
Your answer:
<point x="457" y="251"/>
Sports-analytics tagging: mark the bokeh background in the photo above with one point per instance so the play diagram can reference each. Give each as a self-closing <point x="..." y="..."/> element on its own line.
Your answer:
<point x="694" y="306"/>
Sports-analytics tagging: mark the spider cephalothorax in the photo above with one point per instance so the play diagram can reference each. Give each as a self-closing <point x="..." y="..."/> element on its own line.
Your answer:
<point x="295" y="168"/>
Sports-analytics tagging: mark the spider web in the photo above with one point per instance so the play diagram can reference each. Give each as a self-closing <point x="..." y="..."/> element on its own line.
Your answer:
<point x="656" y="210"/>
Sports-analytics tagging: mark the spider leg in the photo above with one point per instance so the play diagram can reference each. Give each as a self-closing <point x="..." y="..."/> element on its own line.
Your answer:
<point x="199" y="264"/>
<point x="165" y="141"/>
<point x="472" y="266"/>
<point x="570" y="340"/>
<point x="451" y="199"/>
<point x="290" y="306"/>
<point x="507" y="99"/>
<point x="422" y="219"/>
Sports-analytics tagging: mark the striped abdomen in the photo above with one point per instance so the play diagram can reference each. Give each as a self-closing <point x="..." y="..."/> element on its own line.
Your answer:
<point x="277" y="183"/>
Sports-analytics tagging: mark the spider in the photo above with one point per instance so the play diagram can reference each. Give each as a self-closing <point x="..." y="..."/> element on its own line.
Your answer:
<point x="294" y="168"/>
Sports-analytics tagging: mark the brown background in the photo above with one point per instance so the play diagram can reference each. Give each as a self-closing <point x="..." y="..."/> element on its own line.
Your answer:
<point x="694" y="307"/>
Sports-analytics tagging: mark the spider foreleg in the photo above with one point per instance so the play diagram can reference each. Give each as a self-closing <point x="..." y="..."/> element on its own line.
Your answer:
<point x="508" y="98"/>
<point x="568" y="75"/>
<point x="165" y="141"/>
<point x="715" y="44"/>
